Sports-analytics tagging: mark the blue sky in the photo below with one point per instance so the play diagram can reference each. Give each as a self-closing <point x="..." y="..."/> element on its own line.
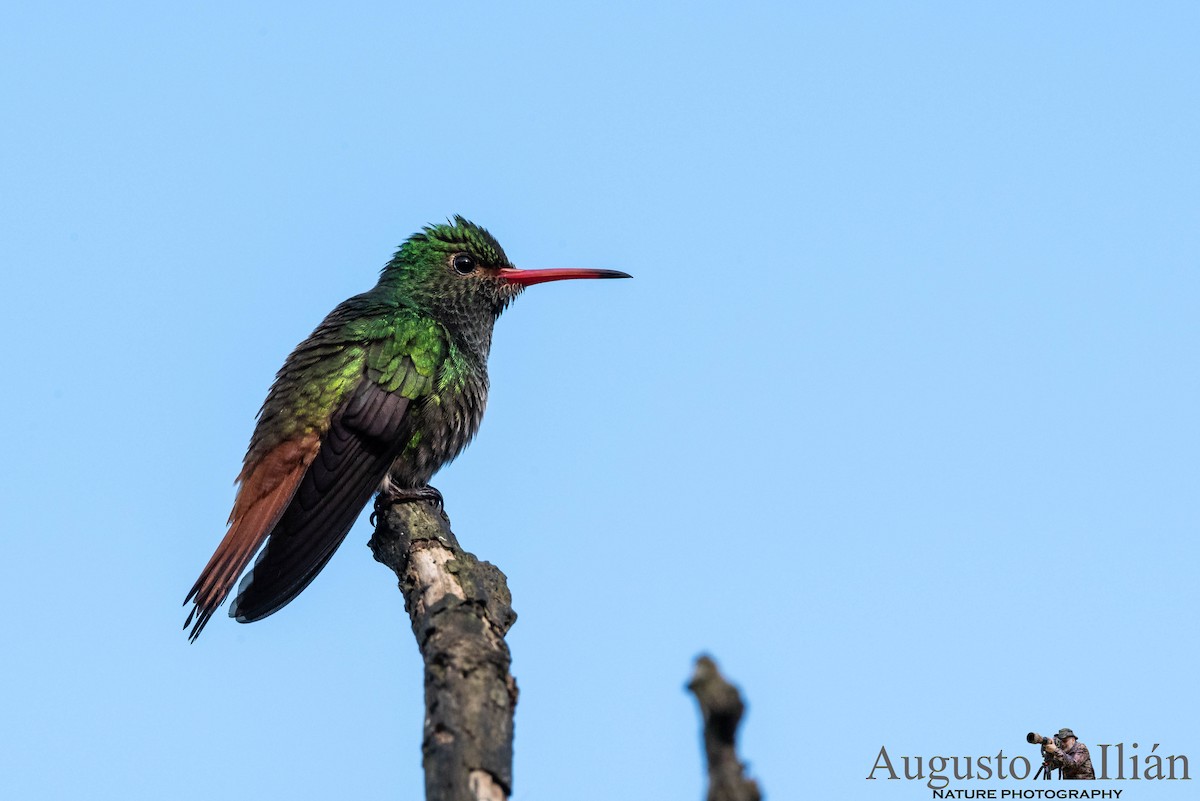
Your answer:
<point x="897" y="419"/>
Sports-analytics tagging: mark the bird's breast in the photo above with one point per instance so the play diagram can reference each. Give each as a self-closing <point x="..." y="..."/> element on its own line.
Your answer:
<point x="438" y="428"/>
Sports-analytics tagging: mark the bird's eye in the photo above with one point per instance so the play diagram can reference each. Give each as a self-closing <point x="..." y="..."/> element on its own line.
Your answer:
<point x="463" y="264"/>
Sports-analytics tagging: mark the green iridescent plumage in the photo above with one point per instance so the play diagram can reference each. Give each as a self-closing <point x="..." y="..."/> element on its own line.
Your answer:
<point x="387" y="389"/>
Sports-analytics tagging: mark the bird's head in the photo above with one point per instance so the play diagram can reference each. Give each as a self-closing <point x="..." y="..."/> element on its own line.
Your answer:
<point x="458" y="272"/>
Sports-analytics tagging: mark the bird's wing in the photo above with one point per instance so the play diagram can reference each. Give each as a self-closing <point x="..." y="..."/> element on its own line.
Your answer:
<point x="327" y="434"/>
<point x="355" y="454"/>
<point x="301" y="497"/>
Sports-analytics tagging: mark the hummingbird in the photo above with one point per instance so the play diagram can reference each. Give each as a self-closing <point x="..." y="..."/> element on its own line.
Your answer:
<point x="389" y="387"/>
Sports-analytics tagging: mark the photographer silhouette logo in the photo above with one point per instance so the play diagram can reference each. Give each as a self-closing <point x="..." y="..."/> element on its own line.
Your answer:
<point x="1063" y="757"/>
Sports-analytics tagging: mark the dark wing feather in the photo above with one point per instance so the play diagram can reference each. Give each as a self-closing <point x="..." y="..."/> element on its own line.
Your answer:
<point x="355" y="453"/>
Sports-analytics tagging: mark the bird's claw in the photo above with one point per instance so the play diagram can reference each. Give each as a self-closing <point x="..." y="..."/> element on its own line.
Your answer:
<point x="394" y="495"/>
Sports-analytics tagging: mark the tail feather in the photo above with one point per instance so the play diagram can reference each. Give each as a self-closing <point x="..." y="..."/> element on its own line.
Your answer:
<point x="267" y="487"/>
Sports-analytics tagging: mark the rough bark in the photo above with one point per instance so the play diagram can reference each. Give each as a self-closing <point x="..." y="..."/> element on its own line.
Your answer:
<point x="721" y="709"/>
<point x="460" y="609"/>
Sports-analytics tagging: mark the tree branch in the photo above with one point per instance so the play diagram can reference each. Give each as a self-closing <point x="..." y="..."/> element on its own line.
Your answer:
<point x="461" y="610"/>
<point x="721" y="708"/>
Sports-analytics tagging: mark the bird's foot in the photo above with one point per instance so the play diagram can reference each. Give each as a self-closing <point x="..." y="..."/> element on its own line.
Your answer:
<point x="393" y="494"/>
